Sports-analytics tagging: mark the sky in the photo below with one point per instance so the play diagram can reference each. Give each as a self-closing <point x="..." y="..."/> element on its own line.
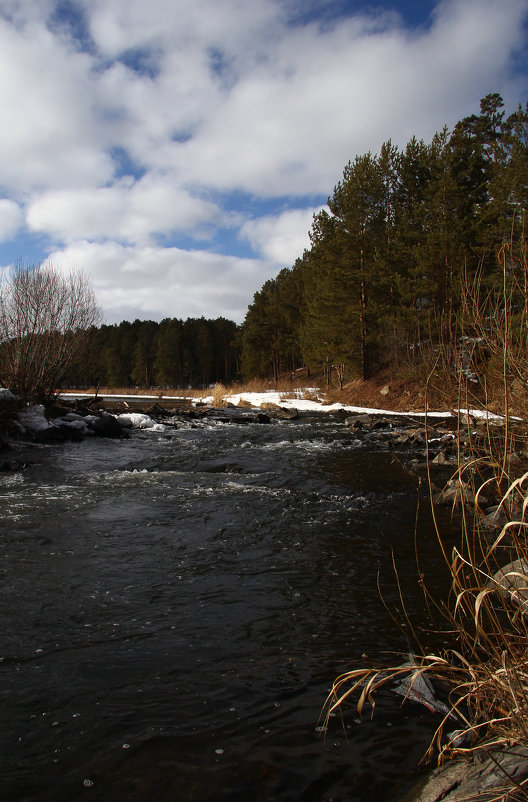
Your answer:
<point x="176" y="151"/>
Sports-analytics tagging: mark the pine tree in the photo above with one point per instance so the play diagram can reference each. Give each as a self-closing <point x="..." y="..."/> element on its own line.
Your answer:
<point x="145" y="353"/>
<point x="358" y="204"/>
<point x="225" y="349"/>
<point x="169" y="353"/>
<point x="329" y="332"/>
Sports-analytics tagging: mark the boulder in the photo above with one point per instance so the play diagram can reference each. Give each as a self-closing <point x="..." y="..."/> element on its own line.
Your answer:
<point x="358" y="421"/>
<point x="108" y="426"/>
<point x="473" y="779"/>
<point x="455" y="493"/>
<point x="284" y="414"/>
<point x="53" y="411"/>
<point x="418" y="437"/>
<point x="402" y="439"/>
<point x="511" y="581"/>
<point x="57" y="434"/>
<point x="383" y="423"/>
<point x="441" y="459"/>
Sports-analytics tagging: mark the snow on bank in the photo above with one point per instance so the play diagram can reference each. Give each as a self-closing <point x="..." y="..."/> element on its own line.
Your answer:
<point x="136" y="420"/>
<point x="33" y="419"/>
<point x="308" y="404"/>
<point x="295" y="400"/>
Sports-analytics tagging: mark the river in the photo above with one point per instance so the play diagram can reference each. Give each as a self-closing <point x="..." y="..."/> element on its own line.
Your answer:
<point x="176" y="605"/>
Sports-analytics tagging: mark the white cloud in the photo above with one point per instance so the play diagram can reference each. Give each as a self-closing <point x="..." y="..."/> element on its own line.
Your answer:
<point x="235" y="26"/>
<point x="20" y="12"/>
<point x="11" y="219"/>
<point x="291" y="124"/>
<point x="49" y="135"/>
<point x="148" y="282"/>
<point x="280" y="238"/>
<point x="267" y="108"/>
<point x="128" y="211"/>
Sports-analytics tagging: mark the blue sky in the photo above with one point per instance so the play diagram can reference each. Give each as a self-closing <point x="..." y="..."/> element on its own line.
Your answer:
<point x="176" y="151"/>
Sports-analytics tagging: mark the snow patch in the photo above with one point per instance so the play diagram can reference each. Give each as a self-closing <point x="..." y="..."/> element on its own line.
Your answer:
<point x="139" y="421"/>
<point x="33" y="418"/>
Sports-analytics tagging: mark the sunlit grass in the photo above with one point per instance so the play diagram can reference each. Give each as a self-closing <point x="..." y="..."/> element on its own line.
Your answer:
<point x="219" y="393"/>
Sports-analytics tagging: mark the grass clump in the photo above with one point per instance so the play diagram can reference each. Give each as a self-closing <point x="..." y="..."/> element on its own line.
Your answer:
<point x="479" y="684"/>
<point x="219" y="393"/>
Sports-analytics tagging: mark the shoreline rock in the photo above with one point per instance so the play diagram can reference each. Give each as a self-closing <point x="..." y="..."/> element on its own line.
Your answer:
<point x="479" y="778"/>
<point x="74" y="420"/>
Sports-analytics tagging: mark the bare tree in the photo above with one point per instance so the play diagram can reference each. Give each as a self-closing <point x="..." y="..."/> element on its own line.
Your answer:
<point x="44" y="317"/>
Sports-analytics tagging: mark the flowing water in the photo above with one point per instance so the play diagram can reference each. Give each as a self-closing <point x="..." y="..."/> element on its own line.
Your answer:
<point x="176" y="605"/>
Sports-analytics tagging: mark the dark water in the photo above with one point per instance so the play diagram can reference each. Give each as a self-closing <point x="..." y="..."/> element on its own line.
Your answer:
<point x="175" y="606"/>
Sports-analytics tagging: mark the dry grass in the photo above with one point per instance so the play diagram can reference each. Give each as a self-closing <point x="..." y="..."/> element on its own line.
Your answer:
<point x="484" y="673"/>
<point x="219" y="391"/>
<point x="154" y="392"/>
<point x="484" y="677"/>
<point x="285" y="387"/>
<point x="391" y="391"/>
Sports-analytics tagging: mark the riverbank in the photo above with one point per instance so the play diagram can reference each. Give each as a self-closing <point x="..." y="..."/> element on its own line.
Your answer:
<point x="380" y="393"/>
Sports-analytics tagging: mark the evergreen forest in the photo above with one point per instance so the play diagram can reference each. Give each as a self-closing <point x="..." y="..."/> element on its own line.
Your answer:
<point x="174" y="353"/>
<point x="406" y="232"/>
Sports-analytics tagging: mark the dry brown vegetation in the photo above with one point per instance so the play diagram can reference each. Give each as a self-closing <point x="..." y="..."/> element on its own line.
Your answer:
<point x="483" y="673"/>
<point x="285" y="387"/>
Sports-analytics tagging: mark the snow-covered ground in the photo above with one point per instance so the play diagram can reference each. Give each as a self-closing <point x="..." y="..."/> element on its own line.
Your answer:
<point x="32" y="418"/>
<point x="306" y="404"/>
<point x="295" y="400"/>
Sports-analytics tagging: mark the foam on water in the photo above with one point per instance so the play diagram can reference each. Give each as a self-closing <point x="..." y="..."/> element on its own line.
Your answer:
<point x="11" y="479"/>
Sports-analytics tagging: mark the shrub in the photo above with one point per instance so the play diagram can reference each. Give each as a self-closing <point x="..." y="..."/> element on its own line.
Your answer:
<point x="44" y="317"/>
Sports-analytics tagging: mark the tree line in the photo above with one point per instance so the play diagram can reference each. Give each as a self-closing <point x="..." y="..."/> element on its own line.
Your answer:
<point x="405" y="233"/>
<point x="173" y="353"/>
<point x="50" y="339"/>
<point x="408" y="243"/>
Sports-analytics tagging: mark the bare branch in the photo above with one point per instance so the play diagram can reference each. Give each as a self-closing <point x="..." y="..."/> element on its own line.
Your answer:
<point x="44" y="316"/>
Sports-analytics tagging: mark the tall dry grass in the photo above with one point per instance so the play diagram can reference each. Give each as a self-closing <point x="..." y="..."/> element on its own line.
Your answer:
<point x="482" y="675"/>
<point x="282" y="385"/>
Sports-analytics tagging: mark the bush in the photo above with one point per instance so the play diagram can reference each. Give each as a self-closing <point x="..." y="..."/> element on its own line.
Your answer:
<point x="44" y="317"/>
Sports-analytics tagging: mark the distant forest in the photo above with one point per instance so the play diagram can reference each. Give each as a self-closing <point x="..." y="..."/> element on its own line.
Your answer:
<point x="174" y="353"/>
<point x="406" y="233"/>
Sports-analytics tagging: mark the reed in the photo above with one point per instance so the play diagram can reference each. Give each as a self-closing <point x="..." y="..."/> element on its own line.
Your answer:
<point x="286" y="386"/>
<point x="219" y="394"/>
<point x="483" y="672"/>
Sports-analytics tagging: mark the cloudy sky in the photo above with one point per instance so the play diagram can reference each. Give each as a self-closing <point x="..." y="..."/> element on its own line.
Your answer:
<point x="176" y="150"/>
